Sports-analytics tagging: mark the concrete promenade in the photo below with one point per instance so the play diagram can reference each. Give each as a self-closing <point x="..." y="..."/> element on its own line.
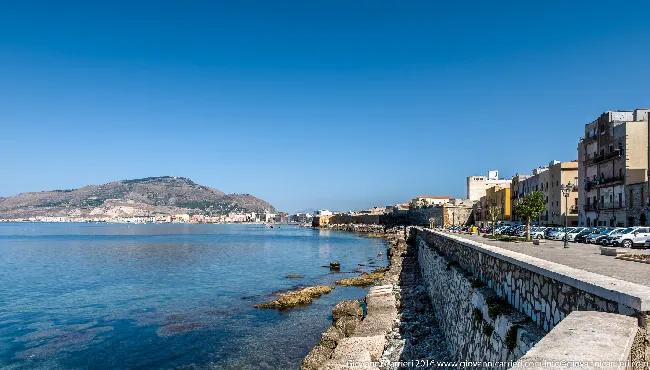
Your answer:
<point x="581" y="256"/>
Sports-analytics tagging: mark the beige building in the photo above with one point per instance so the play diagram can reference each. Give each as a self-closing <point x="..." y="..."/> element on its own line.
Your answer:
<point x="478" y="185"/>
<point x="549" y="180"/>
<point x="613" y="169"/>
<point x="560" y="174"/>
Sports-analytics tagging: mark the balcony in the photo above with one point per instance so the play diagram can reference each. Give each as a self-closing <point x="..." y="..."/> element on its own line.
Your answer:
<point x="595" y="159"/>
<point x="589" y="137"/>
<point x="603" y="206"/>
<point x="607" y="181"/>
<point x="573" y="210"/>
<point x="612" y="205"/>
<point x="590" y="208"/>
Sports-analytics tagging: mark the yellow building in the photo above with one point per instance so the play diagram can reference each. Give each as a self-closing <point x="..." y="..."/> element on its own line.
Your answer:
<point x="497" y="197"/>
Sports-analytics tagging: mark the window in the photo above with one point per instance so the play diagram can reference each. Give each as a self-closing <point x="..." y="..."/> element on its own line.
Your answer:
<point x="557" y="183"/>
<point x="620" y="198"/>
<point x="620" y="174"/>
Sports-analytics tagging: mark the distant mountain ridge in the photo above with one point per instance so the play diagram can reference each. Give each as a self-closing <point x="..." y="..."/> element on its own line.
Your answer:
<point x="138" y="197"/>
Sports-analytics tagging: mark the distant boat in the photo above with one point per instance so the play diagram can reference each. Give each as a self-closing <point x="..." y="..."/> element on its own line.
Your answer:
<point x="271" y="226"/>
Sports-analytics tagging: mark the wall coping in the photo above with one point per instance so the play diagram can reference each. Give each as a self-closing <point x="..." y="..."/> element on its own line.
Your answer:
<point x="632" y="295"/>
<point x="592" y="340"/>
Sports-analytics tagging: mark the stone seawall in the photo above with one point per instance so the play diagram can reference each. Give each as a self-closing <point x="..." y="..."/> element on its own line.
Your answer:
<point x="478" y="326"/>
<point x="543" y="291"/>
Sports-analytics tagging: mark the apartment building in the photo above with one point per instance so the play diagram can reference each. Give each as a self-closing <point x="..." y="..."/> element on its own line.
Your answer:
<point x="496" y="197"/>
<point x="516" y="190"/>
<point x="550" y="180"/>
<point x="478" y="185"/>
<point x="613" y="170"/>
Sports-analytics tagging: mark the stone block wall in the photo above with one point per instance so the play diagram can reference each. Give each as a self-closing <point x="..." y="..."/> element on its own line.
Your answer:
<point x="358" y="219"/>
<point x="545" y="292"/>
<point x="474" y="329"/>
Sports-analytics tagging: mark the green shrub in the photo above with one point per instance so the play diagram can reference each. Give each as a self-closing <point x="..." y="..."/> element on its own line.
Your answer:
<point x="511" y="337"/>
<point x="478" y="316"/>
<point x="488" y="329"/>
<point x="452" y="264"/>
<point x="476" y="283"/>
<point x="497" y="307"/>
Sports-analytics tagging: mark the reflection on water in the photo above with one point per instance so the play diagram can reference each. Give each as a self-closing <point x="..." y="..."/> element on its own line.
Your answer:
<point x="166" y="296"/>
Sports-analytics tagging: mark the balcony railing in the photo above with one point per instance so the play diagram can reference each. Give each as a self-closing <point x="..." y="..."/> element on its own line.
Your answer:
<point x="589" y="137"/>
<point x="603" y="206"/>
<point x="595" y="159"/>
<point x="607" y="181"/>
<point x="573" y="209"/>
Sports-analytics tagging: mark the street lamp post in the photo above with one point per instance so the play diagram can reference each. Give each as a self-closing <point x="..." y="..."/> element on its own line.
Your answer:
<point x="566" y="191"/>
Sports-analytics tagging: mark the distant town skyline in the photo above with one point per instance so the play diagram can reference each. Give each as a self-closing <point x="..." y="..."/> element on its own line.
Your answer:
<point x="308" y="105"/>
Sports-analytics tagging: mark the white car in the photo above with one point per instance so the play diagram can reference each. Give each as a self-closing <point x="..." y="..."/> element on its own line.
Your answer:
<point x="559" y="234"/>
<point x="632" y="237"/>
<point x="538" y="232"/>
<point x="571" y="235"/>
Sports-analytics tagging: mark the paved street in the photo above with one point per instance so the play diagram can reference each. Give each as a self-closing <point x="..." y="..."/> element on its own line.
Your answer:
<point x="581" y="256"/>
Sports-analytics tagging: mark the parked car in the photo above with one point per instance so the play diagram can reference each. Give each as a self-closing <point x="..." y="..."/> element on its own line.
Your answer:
<point x="596" y="237"/>
<point x="609" y="239"/>
<point x="582" y="236"/>
<point x="513" y="230"/>
<point x="632" y="237"/>
<point x="499" y="230"/>
<point x="537" y="233"/>
<point x="557" y="233"/>
<point x="550" y="230"/>
<point x="571" y="235"/>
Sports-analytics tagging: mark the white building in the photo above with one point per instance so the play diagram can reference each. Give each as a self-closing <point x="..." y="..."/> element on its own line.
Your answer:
<point x="323" y="212"/>
<point x="478" y="185"/>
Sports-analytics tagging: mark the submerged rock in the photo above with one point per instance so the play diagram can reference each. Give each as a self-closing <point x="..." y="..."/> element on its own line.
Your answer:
<point x="294" y="298"/>
<point x="294" y="276"/>
<point x="366" y="279"/>
<point x="335" y="265"/>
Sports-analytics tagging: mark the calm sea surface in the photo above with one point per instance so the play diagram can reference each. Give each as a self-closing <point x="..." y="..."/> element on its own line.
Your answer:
<point x="107" y="296"/>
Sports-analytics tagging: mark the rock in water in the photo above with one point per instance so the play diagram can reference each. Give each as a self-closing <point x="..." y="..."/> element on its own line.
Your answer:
<point x="294" y="276"/>
<point x="335" y="265"/>
<point x="294" y="298"/>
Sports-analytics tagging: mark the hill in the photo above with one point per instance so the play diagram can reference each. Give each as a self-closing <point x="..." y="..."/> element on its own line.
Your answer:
<point x="138" y="197"/>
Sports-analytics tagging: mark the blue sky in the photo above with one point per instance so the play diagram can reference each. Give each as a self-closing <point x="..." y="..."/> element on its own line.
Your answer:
<point x="308" y="104"/>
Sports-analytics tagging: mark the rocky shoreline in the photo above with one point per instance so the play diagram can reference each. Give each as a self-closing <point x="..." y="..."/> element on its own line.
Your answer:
<point x="397" y="325"/>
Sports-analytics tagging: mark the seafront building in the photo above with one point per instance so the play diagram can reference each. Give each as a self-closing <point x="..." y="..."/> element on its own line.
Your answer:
<point x="613" y="169"/>
<point x="478" y="185"/>
<point x="549" y="180"/>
